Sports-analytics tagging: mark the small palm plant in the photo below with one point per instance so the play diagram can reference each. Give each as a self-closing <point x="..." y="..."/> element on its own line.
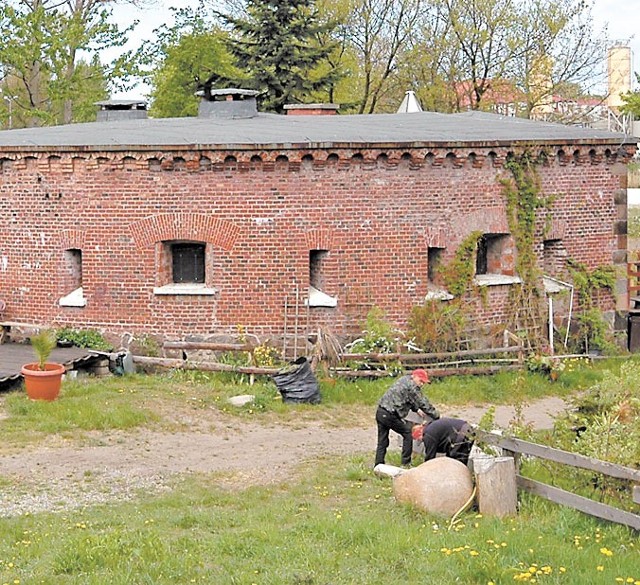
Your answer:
<point x="43" y="344"/>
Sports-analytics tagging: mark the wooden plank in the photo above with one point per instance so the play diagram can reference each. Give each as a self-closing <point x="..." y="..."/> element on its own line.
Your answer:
<point x="205" y="366"/>
<point x="208" y="345"/>
<point x="559" y="456"/>
<point x="580" y="503"/>
<point x="433" y="372"/>
<point x="636" y="494"/>
<point x="417" y="357"/>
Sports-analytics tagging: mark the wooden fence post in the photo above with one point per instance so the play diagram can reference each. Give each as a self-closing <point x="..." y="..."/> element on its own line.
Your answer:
<point x="496" y="486"/>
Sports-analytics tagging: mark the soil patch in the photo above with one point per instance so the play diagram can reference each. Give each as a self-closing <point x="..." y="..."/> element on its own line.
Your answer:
<point x="113" y="466"/>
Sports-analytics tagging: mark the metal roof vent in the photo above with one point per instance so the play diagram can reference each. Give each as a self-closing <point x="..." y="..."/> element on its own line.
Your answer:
<point x="409" y="104"/>
<point x="115" y="110"/>
<point x="227" y="103"/>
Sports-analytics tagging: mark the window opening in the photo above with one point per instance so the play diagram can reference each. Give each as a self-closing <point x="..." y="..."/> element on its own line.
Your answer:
<point x="73" y="269"/>
<point x="317" y="274"/>
<point x="490" y="254"/>
<point x="72" y="279"/>
<point x="317" y="263"/>
<point x="434" y="260"/>
<point x="554" y="257"/>
<point x="188" y="263"/>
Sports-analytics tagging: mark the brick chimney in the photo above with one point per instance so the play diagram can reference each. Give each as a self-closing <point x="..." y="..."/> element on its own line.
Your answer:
<point x="115" y="110"/>
<point x="227" y="103"/>
<point x="311" y="109"/>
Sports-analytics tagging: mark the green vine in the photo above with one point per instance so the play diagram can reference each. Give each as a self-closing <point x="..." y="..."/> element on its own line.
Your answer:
<point x="523" y="203"/>
<point x="438" y="326"/>
<point x="592" y="329"/>
<point x="458" y="274"/>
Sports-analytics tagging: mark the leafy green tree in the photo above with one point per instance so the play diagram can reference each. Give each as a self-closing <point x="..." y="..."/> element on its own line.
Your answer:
<point x="276" y="47"/>
<point x="182" y="58"/>
<point x="632" y="102"/>
<point x="40" y="56"/>
<point x="471" y="51"/>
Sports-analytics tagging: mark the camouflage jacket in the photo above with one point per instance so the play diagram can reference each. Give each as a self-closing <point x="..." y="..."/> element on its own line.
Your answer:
<point x="405" y="395"/>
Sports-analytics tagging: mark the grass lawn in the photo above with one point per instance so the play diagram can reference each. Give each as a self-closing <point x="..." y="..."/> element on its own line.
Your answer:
<point x="333" y="522"/>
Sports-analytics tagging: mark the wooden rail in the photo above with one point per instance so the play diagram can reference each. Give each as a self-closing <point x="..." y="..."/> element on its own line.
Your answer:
<point x="518" y="446"/>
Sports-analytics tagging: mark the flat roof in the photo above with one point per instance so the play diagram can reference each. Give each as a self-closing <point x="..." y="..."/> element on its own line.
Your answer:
<point x="411" y="130"/>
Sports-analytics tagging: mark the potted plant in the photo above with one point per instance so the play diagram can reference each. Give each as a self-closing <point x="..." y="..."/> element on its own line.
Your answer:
<point x="42" y="379"/>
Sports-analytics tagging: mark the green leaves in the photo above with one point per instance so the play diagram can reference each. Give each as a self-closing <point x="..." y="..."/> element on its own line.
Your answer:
<point x="49" y="56"/>
<point x="277" y="50"/>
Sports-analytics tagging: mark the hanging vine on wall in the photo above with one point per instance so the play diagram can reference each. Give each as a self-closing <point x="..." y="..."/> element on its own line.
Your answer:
<point x="523" y="203"/>
<point x="593" y="332"/>
<point x="440" y="326"/>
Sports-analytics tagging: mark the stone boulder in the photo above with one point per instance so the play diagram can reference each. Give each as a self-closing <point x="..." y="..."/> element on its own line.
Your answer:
<point x="440" y="486"/>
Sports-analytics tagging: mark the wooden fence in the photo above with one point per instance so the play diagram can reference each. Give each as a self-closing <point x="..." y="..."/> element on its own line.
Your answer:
<point x="351" y="365"/>
<point x="517" y="447"/>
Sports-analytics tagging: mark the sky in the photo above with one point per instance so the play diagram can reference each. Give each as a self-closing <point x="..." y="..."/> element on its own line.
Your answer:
<point x="621" y="17"/>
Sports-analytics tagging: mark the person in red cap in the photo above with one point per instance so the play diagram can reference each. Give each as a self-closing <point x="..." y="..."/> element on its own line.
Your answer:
<point x="453" y="437"/>
<point x="404" y="395"/>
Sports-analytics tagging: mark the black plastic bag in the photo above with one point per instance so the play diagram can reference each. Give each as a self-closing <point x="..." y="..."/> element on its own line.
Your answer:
<point x="298" y="383"/>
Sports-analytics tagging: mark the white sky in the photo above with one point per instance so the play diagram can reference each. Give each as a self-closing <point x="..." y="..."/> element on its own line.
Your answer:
<point x="621" y="16"/>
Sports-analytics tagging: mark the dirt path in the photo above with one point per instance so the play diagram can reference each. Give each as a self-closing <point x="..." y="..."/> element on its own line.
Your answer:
<point x="117" y="465"/>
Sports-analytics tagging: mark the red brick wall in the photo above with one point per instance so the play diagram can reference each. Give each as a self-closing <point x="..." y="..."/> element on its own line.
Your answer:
<point x="261" y="212"/>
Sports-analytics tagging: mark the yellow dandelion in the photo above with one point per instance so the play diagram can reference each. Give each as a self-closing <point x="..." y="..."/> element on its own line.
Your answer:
<point x="599" y="568"/>
<point x="606" y="552"/>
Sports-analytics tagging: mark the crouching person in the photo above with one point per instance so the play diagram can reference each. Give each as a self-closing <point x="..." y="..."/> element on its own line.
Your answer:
<point x="453" y="437"/>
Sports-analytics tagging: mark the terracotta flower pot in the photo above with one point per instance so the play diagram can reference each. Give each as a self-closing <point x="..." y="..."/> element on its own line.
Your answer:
<point x="42" y="384"/>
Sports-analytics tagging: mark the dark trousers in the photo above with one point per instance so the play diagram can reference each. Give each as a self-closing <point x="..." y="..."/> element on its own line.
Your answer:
<point x="391" y="421"/>
<point x="461" y="447"/>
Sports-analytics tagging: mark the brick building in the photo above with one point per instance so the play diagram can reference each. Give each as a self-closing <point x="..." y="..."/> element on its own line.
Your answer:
<point x="195" y="226"/>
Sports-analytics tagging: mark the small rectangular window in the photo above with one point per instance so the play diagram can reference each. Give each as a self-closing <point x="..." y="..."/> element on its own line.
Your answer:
<point x="73" y="269"/>
<point x="317" y="261"/>
<point x="188" y="262"/>
<point x="434" y="259"/>
<point x="72" y="279"/>
<point x="494" y="255"/>
<point x="554" y="257"/>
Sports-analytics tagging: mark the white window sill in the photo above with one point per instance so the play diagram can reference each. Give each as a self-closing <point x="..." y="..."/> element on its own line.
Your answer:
<point x="438" y="295"/>
<point x="184" y="289"/>
<point x="73" y="299"/>
<point x="496" y="279"/>
<point x="319" y="299"/>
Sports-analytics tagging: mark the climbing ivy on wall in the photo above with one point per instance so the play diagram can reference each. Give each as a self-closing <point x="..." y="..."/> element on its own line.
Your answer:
<point x="523" y="204"/>
<point x="593" y="332"/>
<point x="458" y="274"/>
<point x="438" y="326"/>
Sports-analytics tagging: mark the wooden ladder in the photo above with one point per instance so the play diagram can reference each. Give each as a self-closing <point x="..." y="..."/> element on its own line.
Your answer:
<point x="296" y="325"/>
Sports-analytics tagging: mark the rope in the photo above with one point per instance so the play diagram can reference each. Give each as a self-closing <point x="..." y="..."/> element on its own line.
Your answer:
<point x="465" y="506"/>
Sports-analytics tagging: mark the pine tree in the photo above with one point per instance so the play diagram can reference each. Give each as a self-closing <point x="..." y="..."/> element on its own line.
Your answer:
<point x="276" y="47"/>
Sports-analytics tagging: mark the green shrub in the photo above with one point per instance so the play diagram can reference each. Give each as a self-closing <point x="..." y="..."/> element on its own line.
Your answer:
<point x="89" y="338"/>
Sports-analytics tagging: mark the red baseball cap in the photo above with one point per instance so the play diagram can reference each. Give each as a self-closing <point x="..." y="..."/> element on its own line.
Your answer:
<point x="421" y="375"/>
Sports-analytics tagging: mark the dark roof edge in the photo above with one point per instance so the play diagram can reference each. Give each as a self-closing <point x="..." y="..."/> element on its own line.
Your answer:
<point x="323" y="145"/>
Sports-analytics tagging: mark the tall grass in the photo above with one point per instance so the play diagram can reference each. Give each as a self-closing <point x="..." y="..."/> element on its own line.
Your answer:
<point x="335" y="524"/>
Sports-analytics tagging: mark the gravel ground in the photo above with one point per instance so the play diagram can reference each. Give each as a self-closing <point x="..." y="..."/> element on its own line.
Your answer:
<point x="118" y="466"/>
